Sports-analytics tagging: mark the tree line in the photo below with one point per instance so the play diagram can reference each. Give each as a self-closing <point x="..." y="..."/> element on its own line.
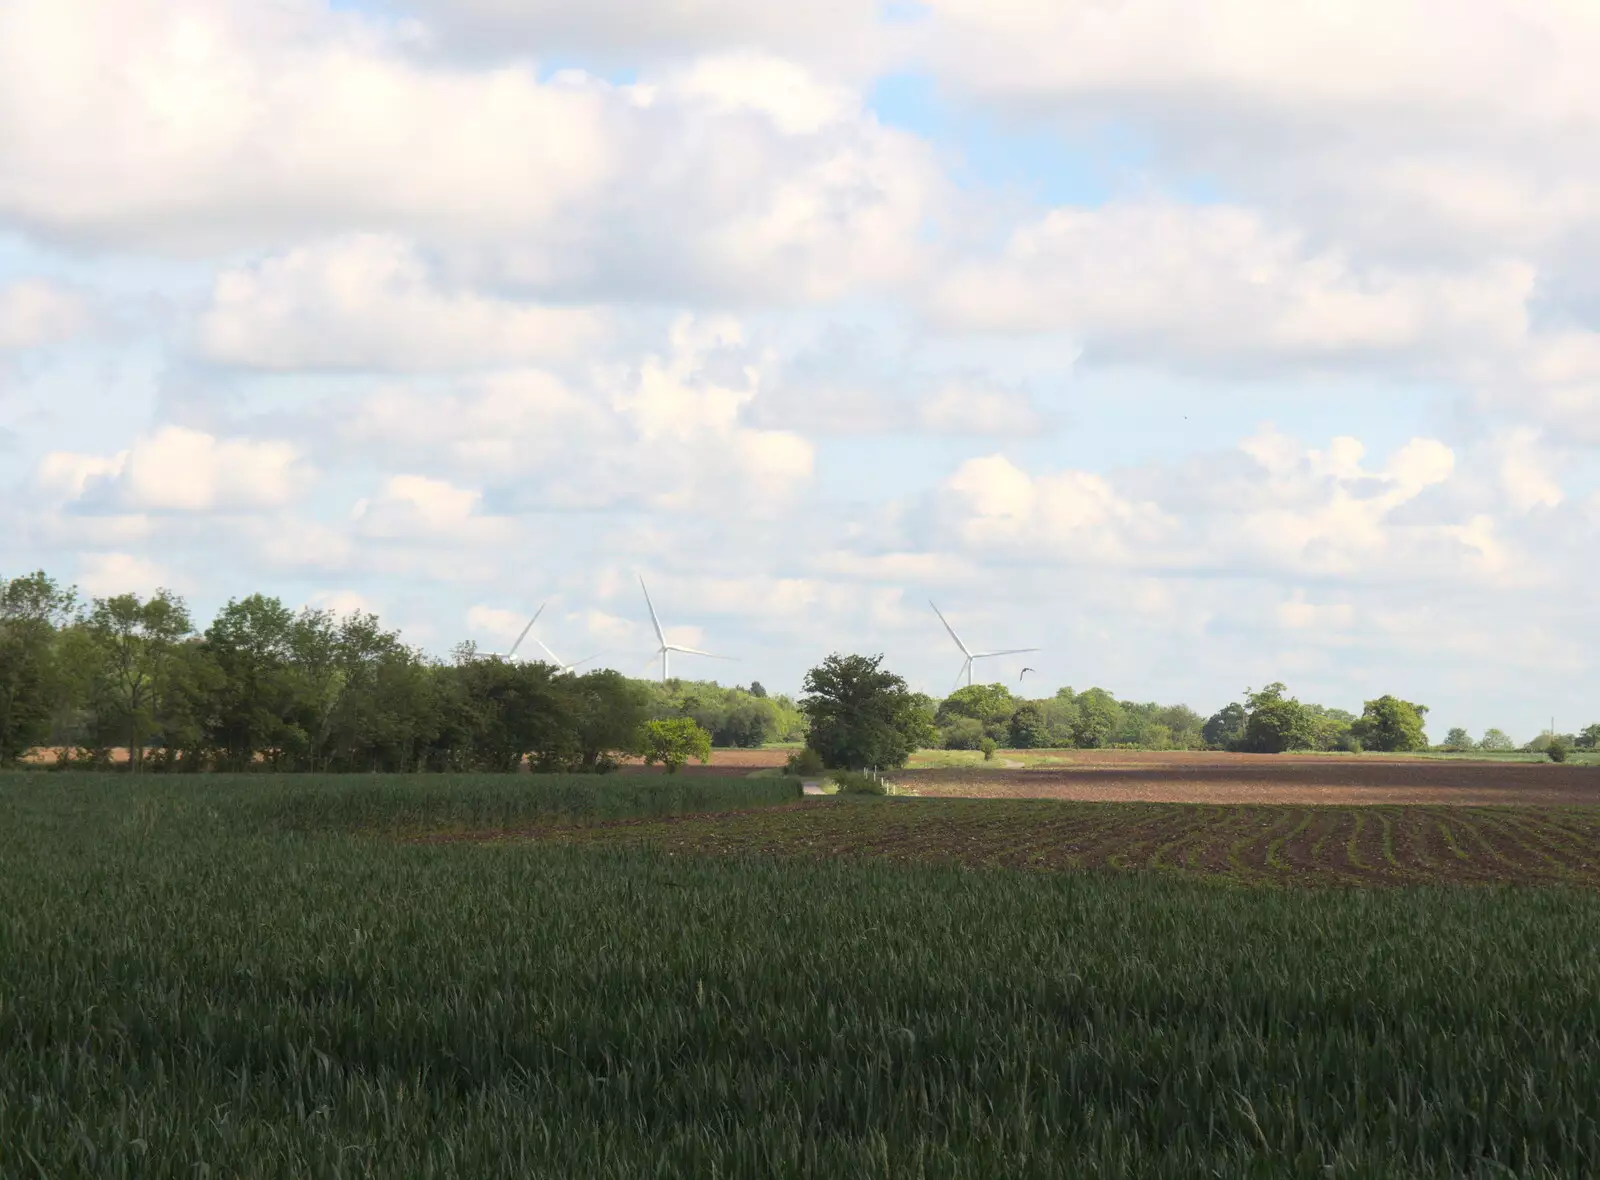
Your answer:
<point x="265" y="685"/>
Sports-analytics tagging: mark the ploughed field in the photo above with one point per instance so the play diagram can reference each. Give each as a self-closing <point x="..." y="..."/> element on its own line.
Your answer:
<point x="1258" y="845"/>
<point x="255" y="976"/>
<point x="1137" y="776"/>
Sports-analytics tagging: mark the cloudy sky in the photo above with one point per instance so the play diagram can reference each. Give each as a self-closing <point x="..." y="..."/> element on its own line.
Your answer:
<point x="1200" y="344"/>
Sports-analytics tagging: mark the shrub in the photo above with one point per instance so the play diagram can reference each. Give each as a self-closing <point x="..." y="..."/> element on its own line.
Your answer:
<point x="858" y="782"/>
<point x="963" y="733"/>
<point x="806" y="762"/>
<point x="987" y="745"/>
<point x="1556" y="751"/>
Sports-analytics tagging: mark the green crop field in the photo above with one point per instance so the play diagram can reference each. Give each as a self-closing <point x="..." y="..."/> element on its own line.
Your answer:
<point x="267" y="977"/>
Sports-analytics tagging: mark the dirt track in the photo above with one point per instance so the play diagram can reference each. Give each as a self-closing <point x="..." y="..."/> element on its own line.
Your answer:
<point x="1246" y="778"/>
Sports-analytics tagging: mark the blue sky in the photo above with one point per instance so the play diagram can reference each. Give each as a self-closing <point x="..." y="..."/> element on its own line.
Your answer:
<point x="1200" y="347"/>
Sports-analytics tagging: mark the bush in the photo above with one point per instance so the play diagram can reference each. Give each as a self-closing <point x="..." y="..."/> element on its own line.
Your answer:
<point x="806" y="762"/>
<point x="1557" y="750"/>
<point x="963" y="733"/>
<point x="987" y="745"/>
<point x="857" y="782"/>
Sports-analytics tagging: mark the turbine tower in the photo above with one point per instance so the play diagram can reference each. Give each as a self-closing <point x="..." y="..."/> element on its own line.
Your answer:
<point x="971" y="656"/>
<point x="661" y="637"/>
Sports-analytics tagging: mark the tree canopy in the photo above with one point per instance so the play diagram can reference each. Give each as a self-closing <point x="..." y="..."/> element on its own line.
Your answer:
<point x="862" y="715"/>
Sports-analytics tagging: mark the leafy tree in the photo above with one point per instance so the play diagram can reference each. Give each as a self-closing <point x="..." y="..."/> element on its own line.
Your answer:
<point x="251" y="640"/>
<point x="1496" y="740"/>
<point x="673" y="741"/>
<point x="962" y="733"/>
<point x="1331" y="729"/>
<point x="1028" y="729"/>
<point x="610" y="708"/>
<point x="138" y="644"/>
<point x="1276" y="723"/>
<point x="757" y="690"/>
<point x="991" y="705"/>
<point x="1225" y="729"/>
<point x="1588" y="739"/>
<point x="32" y="609"/>
<point x="1459" y="739"/>
<point x="1391" y="725"/>
<point x="1099" y="715"/>
<point x="861" y="715"/>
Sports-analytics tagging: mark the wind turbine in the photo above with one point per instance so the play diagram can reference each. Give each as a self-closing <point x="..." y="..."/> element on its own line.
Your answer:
<point x="966" y="667"/>
<point x="562" y="664"/>
<point x="512" y="650"/>
<point x="661" y="636"/>
<point x="554" y="659"/>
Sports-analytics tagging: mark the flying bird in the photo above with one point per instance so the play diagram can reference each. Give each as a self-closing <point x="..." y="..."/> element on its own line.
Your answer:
<point x="1024" y="672"/>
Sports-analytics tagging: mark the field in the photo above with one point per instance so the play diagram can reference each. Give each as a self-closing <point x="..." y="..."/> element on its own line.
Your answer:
<point x="255" y="976"/>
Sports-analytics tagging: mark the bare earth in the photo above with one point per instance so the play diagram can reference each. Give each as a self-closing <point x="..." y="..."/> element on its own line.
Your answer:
<point x="1138" y="777"/>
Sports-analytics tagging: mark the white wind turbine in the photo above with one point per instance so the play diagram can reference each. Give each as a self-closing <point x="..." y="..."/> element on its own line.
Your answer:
<point x="966" y="667"/>
<point x="661" y="637"/>
<point x="554" y="659"/>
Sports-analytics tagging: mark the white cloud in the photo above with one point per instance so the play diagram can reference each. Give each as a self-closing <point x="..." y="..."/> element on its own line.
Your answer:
<point x="411" y="506"/>
<point x="34" y="313"/>
<point x="1164" y="283"/>
<point x="367" y="302"/>
<point x="1300" y="614"/>
<point x="107" y="574"/>
<point x="201" y="126"/>
<point x="1525" y="473"/>
<point x="180" y="470"/>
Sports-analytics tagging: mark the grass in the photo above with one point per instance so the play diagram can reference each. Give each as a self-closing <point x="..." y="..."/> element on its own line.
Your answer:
<point x="942" y="759"/>
<point x="227" y="978"/>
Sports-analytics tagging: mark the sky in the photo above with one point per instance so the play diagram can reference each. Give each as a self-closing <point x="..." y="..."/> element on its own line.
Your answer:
<point x="1198" y="345"/>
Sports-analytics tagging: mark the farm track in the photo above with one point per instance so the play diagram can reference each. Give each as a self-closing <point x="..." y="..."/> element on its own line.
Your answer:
<point x="1255" y="845"/>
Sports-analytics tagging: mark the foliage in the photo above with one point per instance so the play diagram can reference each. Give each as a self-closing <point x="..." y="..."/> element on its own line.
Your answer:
<point x="1588" y="738"/>
<point x="32" y="610"/>
<point x="805" y="761"/>
<point x="1496" y="740"/>
<point x="991" y="705"/>
<point x="1028" y="729"/>
<point x="1391" y="725"/>
<point x="861" y="715"/>
<point x="1459" y="739"/>
<point x="1225" y="729"/>
<point x="962" y="733"/>
<point x="734" y="717"/>
<point x="673" y="742"/>
<point x="190" y="989"/>
<point x="988" y="746"/>
<point x="1276" y="723"/>
<point x="858" y="782"/>
<point x="1557" y="750"/>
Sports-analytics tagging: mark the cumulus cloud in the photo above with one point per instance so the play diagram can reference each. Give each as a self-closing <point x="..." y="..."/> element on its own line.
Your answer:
<point x="1168" y="283"/>
<point x="219" y="126"/>
<point x="367" y="302"/>
<point x="34" y="312"/>
<point x="178" y="470"/>
<point x="414" y="506"/>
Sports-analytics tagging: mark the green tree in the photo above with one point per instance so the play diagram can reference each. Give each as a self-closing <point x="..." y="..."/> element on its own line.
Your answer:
<point x="861" y="715"/>
<point x="32" y="610"/>
<point x="962" y="733"/>
<point x="1099" y="715"/>
<point x="257" y="703"/>
<point x="991" y="705"/>
<point x="1588" y="739"/>
<point x="1225" y="729"/>
<point x="138" y="643"/>
<point x="1495" y="739"/>
<point x="1391" y="725"/>
<point x="673" y="741"/>
<point x="1459" y="739"/>
<point x="1028" y="730"/>
<point x="1276" y="723"/>
<point x="610" y="710"/>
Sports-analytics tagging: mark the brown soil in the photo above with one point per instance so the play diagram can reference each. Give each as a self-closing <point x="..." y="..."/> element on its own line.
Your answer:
<point x="1252" y="844"/>
<point x="1118" y="776"/>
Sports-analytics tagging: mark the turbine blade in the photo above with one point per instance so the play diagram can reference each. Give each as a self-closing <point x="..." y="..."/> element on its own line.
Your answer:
<point x="659" y="633"/>
<point x="585" y="660"/>
<point x="554" y="659"/>
<point x="950" y="629"/>
<point x="513" y="648"/>
<point x="695" y="651"/>
<point x="1010" y="651"/>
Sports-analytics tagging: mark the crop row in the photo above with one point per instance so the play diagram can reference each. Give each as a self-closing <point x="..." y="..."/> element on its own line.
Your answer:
<point x="1257" y="844"/>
